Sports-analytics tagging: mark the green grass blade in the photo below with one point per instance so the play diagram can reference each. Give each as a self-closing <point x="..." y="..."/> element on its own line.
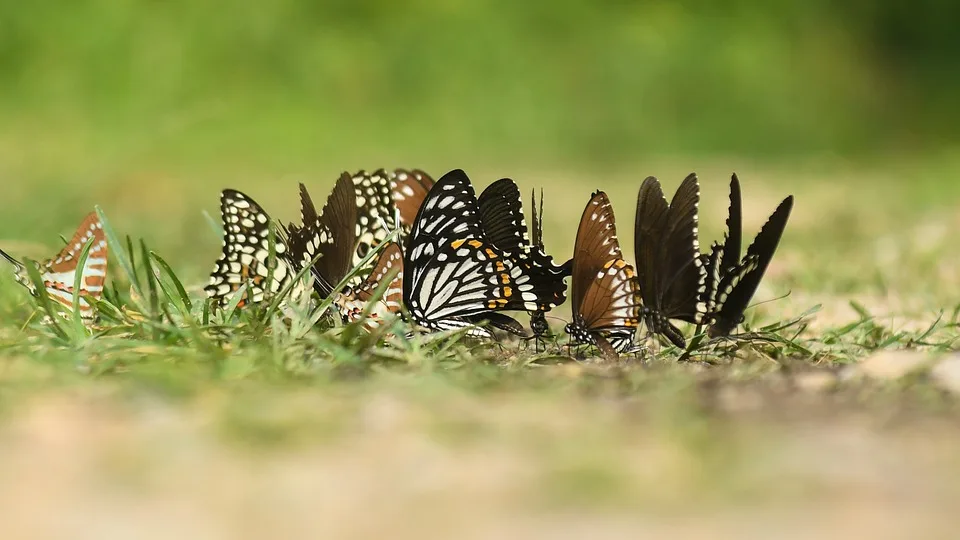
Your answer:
<point x="151" y="278"/>
<point x="78" y="325"/>
<point x="181" y="291"/>
<point x="118" y="250"/>
<point x="44" y="299"/>
<point x="214" y="224"/>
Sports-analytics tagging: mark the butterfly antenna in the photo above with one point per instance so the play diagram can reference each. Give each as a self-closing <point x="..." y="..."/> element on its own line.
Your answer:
<point x="771" y="300"/>
<point x="10" y="259"/>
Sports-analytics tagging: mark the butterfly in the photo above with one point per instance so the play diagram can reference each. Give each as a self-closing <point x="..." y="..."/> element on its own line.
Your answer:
<point x="353" y="300"/>
<point x="670" y="274"/>
<point x="59" y="273"/>
<point x="731" y="281"/>
<point x="502" y="221"/>
<point x="603" y="288"/>
<point x="409" y="188"/>
<point x="376" y="214"/>
<point x="538" y="319"/>
<point x="330" y="235"/>
<point x="453" y="276"/>
<point x="246" y="257"/>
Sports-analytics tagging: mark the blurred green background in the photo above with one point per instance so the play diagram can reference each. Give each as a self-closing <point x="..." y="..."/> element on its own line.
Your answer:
<point x="149" y="108"/>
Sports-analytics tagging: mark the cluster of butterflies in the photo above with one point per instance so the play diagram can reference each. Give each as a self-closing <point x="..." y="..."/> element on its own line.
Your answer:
<point x="449" y="260"/>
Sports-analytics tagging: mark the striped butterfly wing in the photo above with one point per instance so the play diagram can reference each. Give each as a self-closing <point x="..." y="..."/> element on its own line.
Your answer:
<point x="723" y="260"/>
<point x="603" y="288"/>
<point x="387" y="268"/>
<point x="410" y="188"/>
<point x="451" y="271"/>
<point x="59" y="273"/>
<point x="711" y="278"/>
<point x="737" y="288"/>
<point x="245" y="257"/>
<point x="376" y="215"/>
<point x="329" y="237"/>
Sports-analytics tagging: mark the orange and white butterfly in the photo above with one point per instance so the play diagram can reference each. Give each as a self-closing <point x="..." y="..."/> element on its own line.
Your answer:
<point x="353" y="300"/>
<point x="59" y="273"/>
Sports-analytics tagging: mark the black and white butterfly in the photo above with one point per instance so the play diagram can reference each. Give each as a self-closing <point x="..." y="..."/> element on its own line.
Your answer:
<point x="376" y="210"/>
<point x="453" y="276"/>
<point x="731" y="281"/>
<point x="330" y="235"/>
<point x="670" y="274"/>
<point x="503" y="223"/>
<point x="603" y="287"/>
<point x="246" y="258"/>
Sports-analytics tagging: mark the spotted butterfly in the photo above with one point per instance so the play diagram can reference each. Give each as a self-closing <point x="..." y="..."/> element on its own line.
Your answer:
<point x="603" y="286"/>
<point x="670" y="273"/>
<point x="453" y="276"/>
<point x="376" y="214"/>
<point x="245" y="257"/>
<point x="59" y="273"/>
<point x="388" y="267"/>
<point x="731" y="281"/>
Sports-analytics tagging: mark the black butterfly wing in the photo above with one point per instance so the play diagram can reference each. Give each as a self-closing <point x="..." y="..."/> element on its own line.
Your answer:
<point x="681" y="272"/>
<point x="711" y="278"/>
<point x="331" y="235"/>
<point x="650" y="226"/>
<point x="733" y="242"/>
<point x="499" y="321"/>
<point x="339" y="216"/>
<point x="245" y="258"/>
<point x="501" y="214"/>
<point x="736" y="296"/>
